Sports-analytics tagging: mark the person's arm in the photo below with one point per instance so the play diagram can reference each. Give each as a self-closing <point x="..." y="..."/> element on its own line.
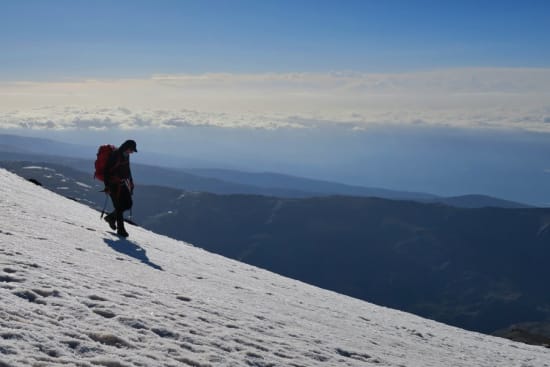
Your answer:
<point x="130" y="179"/>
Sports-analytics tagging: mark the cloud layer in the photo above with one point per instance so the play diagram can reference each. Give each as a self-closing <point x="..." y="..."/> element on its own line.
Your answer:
<point x="471" y="98"/>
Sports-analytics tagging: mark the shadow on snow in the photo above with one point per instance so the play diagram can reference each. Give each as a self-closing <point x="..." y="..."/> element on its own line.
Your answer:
<point x="129" y="248"/>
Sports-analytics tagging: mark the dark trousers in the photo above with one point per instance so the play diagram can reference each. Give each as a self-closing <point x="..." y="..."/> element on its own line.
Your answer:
<point x="122" y="201"/>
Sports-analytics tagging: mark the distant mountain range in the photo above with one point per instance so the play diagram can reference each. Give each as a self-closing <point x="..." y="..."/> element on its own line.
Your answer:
<point x="299" y="184"/>
<point x="482" y="269"/>
<point x="218" y="181"/>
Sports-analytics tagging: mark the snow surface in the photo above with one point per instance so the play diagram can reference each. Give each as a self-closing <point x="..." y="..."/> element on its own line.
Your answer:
<point x="73" y="293"/>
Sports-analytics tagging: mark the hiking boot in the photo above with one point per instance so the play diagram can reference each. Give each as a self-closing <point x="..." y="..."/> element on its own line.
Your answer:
<point x="110" y="218"/>
<point x="122" y="232"/>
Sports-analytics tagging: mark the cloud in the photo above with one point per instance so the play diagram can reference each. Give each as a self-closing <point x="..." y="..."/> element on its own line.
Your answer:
<point x="472" y="98"/>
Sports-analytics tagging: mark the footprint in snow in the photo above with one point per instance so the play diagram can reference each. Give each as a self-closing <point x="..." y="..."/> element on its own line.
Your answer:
<point x="29" y="296"/>
<point x="110" y="339"/>
<point x="357" y="356"/>
<point x="105" y="313"/>
<point x="133" y="323"/>
<point x="165" y="333"/>
<point x="94" y="297"/>
<point x="10" y="279"/>
<point x="47" y="292"/>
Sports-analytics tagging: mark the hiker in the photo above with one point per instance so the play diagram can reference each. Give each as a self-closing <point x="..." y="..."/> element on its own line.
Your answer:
<point x="119" y="185"/>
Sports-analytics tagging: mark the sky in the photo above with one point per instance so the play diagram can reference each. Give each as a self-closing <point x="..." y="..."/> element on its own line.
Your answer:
<point x="97" y="300"/>
<point x="63" y="38"/>
<point x="259" y="72"/>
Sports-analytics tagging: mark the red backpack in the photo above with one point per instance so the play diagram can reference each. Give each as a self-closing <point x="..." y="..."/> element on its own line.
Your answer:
<point x="103" y="154"/>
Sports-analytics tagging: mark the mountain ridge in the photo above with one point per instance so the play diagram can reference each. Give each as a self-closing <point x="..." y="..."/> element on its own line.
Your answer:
<point x="95" y="299"/>
<point x="222" y="181"/>
<point x="420" y="266"/>
<point x="182" y="179"/>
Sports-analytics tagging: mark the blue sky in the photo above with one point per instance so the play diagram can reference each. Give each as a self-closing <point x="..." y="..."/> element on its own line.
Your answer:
<point x="403" y="94"/>
<point x="41" y="39"/>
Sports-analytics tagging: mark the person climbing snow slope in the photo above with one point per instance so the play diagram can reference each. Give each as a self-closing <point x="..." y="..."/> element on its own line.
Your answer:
<point x="119" y="185"/>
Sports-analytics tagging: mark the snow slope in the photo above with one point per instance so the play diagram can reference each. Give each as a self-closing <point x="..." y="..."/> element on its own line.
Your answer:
<point x="73" y="293"/>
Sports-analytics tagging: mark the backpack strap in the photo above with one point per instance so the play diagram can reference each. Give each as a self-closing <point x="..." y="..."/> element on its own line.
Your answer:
<point x="114" y="156"/>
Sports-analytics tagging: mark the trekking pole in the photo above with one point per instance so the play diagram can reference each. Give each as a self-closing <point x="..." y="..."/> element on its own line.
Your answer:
<point x="104" y="206"/>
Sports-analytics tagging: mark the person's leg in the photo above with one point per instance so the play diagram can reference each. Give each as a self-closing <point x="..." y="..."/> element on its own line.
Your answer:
<point x="124" y="202"/>
<point x="116" y="218"/>
<point x="120" y="223"/>
<point x="111" y="219"/>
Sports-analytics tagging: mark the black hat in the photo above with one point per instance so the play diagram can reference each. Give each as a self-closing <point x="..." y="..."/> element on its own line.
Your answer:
<point x="129" y="144"/>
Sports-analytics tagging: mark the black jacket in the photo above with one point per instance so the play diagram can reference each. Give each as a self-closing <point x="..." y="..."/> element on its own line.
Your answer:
<point x="117" y="169"/>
